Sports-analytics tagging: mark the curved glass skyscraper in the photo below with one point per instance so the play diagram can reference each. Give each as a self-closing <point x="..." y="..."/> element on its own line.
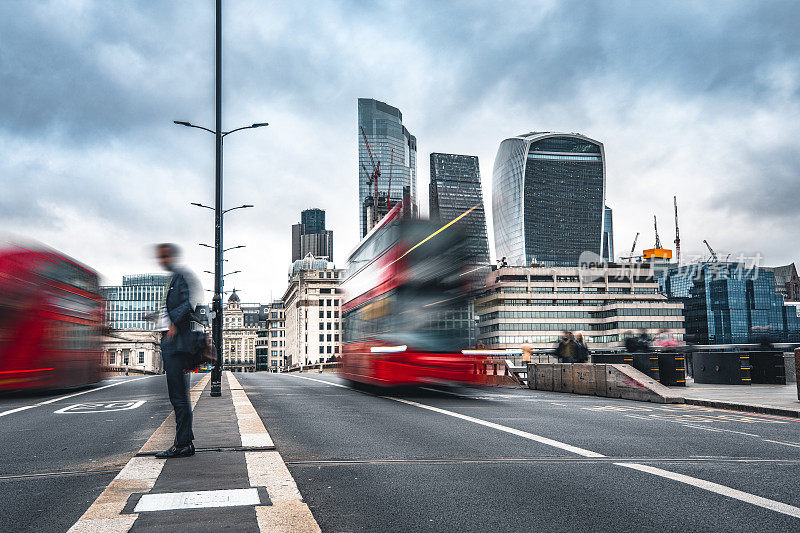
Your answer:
<point x="393" y="147"/>
<point x="548" y="195"/>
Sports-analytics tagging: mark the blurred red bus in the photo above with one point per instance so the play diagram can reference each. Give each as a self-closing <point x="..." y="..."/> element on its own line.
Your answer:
<point x="404" y="307"/>
<point x="51" y="321"/>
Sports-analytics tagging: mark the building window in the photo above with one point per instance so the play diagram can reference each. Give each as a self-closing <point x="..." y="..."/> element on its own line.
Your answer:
<point x="141" y="358"/>
<point x="112" y="358"/>
<point x="321" y="338"/>
<point x="126" y="357"/>
<point x="321" y="349"/>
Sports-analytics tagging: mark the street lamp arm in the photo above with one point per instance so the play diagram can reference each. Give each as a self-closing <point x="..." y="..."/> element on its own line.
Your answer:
<point x="257" y="125"/>
<point x="201" y="205"/>
<point x="190" y="125"/>
<point x="237" y="207"/>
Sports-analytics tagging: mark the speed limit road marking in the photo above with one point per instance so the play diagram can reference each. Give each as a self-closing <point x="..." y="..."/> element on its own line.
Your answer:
<point x="100" y="407"/>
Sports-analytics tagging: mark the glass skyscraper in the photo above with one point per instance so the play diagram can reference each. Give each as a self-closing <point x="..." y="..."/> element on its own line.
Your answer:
<point x="454" y="189"/>
<point x="608" y="234"/>
<point x="393" y="147"/>
<point x="548" y="198"/>
<point x="128" y="304"/>
<point x="730" y="303"/>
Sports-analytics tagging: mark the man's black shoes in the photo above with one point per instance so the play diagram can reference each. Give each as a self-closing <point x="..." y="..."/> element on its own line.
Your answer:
<point x="176" y="451"/>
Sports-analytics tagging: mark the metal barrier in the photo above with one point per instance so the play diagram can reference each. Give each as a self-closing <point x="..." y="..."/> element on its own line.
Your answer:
<point x="319" y="367"/>
<point x="122" y="370"/>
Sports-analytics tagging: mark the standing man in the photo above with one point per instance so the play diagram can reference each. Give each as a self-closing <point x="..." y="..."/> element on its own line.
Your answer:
<point x="174" y="320"/>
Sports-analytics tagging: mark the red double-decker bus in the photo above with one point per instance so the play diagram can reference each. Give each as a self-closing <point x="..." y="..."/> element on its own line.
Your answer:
<point x="405" y="315"/>
<point x="51" y="320"/>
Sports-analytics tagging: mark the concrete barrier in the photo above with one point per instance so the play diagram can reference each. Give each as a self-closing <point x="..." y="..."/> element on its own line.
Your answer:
<point x="608" y="380"/>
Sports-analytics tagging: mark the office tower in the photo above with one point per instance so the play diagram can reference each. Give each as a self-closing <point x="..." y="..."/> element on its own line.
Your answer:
<point x="454" y="189"/>
<point x="608" y="235"/>
<point x="394" y="154"/>
<point x="548" y="195"/>
<point x="311" y="237"/>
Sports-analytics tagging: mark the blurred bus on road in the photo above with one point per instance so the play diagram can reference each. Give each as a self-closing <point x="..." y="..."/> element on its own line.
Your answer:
<point x="51" y="320"/>
<point x="403" y="307"/>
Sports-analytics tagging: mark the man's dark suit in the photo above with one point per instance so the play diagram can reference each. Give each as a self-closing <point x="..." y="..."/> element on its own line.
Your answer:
<point x="175" y="351"/>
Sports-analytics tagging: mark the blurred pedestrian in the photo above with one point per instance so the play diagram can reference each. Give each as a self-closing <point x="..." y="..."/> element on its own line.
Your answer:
<point x="567" y="350"/>
<point x="582" y="349"/>
<point x="527" y="353"/>
<point x="175" y="316"/>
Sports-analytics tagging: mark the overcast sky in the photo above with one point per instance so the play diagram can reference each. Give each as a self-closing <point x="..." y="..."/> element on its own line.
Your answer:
<point x="698" y="100"/>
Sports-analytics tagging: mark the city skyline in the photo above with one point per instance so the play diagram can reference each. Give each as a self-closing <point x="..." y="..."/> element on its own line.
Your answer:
<point x="716" y="129"/>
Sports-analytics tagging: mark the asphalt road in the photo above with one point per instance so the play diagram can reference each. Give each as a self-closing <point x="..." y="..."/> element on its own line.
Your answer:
<point x="427" y="460"/>
<point x="511" y="460"/>
<point x="54" y="464"/>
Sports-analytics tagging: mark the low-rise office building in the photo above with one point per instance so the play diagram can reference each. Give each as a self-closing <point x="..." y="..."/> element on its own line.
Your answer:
<point x="534" y="305"/>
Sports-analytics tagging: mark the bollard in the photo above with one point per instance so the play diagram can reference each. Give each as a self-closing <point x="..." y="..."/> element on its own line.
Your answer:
<point x="797" y="369"/>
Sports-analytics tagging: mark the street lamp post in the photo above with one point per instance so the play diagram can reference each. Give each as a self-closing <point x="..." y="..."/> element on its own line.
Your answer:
<point x="216" y="328"/>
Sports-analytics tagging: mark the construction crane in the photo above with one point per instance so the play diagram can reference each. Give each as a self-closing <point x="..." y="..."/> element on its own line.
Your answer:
<point x="714" y="257"/>
<point x="389" y="186"/>
<point x="372" y="179"/>
<point x="677" y="233"/>
<point x="631" y="256"/>
<point x="655" y="225"/>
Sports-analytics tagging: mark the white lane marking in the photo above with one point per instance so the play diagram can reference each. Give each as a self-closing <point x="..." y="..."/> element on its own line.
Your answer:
<point x="200" y="499"/>
<point x="784" y="443"/>
<point x="100" y="407"/>
<point x="706" y="485"/>
<point x="766" y="503"/>
<point x="18" y="409"/>
<point x="513" y="431"/>
<point x="524" y="434"/>
<point x="327" y="382"/>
